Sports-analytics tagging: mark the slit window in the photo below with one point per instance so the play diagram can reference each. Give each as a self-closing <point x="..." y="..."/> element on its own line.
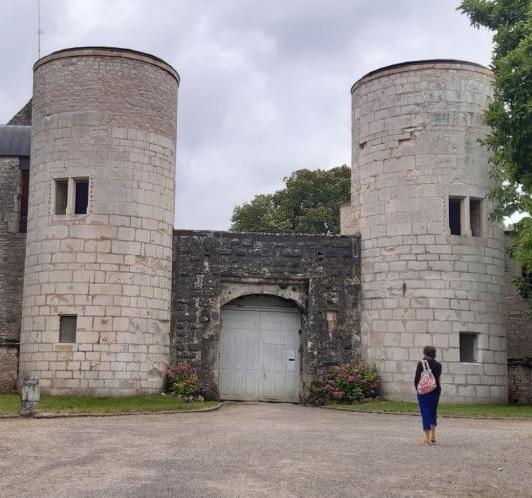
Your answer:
<point x="81" y="195"/>
<point x="475" y="217"/>
<point x="468" y="347"/>
<point x="61" y="196"/>
<point x="67" y="328"/>
<point x="24" y="191"/>
<point x="455" y="215"/>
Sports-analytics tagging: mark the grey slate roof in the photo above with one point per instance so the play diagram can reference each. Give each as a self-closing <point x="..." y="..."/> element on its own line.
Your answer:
<point x="15" y="140"/>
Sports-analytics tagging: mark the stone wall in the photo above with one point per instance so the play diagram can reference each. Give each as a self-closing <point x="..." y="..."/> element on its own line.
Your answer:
<point x="520" y="380"/>
<point x="518" y="325"/>
<point x="109" y="116"/>
<point x="8" y="368"/>
<point x="415" y="145"/>
<point x="12" y="245"/>
<point x="319" y="273"/>
<point x="519" y="337"/>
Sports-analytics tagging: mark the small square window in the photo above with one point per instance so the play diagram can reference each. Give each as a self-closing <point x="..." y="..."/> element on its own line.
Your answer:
<point x="475" y="217"/>
<point x="455" y="215"/>
<point x="61" y="196"/>
<point x="468" y="347"/>
<point x="81" y="195"/>
<point x="67" y="328"/>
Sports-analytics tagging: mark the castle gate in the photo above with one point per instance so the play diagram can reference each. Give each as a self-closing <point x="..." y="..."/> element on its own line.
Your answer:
<point x="260" y="350"/>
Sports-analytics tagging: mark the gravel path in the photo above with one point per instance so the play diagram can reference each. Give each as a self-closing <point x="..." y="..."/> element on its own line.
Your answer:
<point x="263" y="450"/>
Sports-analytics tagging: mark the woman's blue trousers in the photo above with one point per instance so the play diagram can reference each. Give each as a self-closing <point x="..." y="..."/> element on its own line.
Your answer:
<point x="428" y="405"/>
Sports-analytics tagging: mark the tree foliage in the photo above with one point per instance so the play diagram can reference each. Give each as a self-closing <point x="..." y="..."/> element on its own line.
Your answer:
<point x="309" y="203"/>
<point x="510" y="112"/>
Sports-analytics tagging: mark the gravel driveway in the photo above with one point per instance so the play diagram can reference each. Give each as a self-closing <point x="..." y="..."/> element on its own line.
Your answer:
<point x="259" y="450"/>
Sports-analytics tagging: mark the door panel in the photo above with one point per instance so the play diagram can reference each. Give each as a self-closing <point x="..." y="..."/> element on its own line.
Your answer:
<point x="259" y="354"/>
<point x="239" y="350"/>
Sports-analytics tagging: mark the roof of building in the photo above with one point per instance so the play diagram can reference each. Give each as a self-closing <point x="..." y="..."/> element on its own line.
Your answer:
<point x="15" y="140"/>
<point x="425" y="62"/>
<point x="108" y="52"/>
<point x="22" y="117"/>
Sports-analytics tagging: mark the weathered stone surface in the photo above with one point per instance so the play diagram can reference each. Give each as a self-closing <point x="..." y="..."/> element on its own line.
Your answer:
<point x="109" y="116"/>
<point x="8" y="368"/>
<point x="12" y="249"/>
<point x="519" y="337"/>
<point x="415" y="144"/>
<point x="319" y="273"/>
<point x="518" y="326"/>
<point x="520" y="380"/>
<point x="30" y="395"/>
<point x="12" y="244"/>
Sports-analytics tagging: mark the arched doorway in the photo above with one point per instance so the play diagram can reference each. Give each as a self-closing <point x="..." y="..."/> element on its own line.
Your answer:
<point x="260" y="350"/>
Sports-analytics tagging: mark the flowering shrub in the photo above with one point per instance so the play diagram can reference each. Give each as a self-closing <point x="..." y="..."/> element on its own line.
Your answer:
<point x="182" y="381"/>
<point x="348" y="383"/>
<point x="351" y="383"/>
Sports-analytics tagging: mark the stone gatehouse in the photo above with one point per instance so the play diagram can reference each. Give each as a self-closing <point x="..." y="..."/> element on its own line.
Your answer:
<point x="320" y="275"/>
<point x="99" y="293"/>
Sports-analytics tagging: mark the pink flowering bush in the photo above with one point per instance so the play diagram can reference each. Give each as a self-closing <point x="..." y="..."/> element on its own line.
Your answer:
<point x="349" y="383"/>
<point x="182" y="381"/>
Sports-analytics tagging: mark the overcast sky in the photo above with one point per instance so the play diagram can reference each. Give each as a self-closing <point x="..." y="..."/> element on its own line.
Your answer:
<point x="264" y="84"/>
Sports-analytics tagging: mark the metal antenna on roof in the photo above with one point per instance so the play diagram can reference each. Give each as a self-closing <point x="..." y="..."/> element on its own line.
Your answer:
<point x="39" y="32"/>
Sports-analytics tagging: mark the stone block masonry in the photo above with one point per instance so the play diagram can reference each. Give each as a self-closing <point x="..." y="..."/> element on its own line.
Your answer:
<point x="318" y="273"/>
<point x="12" y="246"/>
<point x="519" y="337"/>
<point x="520" y="380"/>
<point x="416" y="158"/>
<point x="8" y="367"/>
<point x="106" y="117"/>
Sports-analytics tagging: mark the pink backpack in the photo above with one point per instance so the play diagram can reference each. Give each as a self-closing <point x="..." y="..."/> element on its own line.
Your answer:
<point x="427" y="382"/>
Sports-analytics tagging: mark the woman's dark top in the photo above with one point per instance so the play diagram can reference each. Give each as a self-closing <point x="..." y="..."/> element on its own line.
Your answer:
<point x="435" y="366"/>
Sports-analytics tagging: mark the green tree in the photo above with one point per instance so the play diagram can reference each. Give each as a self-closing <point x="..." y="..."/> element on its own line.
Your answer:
<point x="309" y="203"/>
<point x="510" y="112"/>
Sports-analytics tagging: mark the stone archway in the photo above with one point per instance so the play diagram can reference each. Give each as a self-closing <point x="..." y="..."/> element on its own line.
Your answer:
<point x="290" y="290"/>
<point x="260" y="359"/>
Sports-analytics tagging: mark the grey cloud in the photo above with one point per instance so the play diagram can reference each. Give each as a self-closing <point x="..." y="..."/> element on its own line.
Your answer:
<point x="265" y="85"/>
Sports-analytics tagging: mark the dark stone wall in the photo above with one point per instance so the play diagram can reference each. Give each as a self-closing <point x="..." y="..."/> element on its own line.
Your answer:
<point x="520" y="380"/>
<point x="12" y="250"/>
<point x="8" y="368"/>
<point x="519" y="337"/>
<point x="321" y="273"/>
<point x="518" y="326"/>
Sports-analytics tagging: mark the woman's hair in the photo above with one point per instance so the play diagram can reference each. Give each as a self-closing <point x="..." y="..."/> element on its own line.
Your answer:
<point x="429" y="351"/>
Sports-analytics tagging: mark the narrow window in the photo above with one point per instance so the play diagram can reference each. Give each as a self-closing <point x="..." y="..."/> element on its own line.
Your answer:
<point x="475" y="217"/>
<point x="455" y="215"/>
<point x="82" y="195"/>
<point x="67" y="328"/>
<point x="61" y="196"/>
<point x="24" y="191"/>
<point x="468" y="347"/>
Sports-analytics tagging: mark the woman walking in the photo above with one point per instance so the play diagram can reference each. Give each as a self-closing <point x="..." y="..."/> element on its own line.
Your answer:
<point x="429" y="397"/>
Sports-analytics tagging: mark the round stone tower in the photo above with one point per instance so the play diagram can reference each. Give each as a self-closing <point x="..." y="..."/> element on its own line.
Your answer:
<point x="97" y="282"/>
<point x="432" y="262"/>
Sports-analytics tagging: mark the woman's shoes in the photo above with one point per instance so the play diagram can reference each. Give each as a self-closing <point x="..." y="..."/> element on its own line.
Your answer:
<point x="427" y="443"/>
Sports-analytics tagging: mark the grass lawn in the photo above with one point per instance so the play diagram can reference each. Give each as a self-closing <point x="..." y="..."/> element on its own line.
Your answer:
<point x="444" y="409"/>
<point x="10" y="403"/>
